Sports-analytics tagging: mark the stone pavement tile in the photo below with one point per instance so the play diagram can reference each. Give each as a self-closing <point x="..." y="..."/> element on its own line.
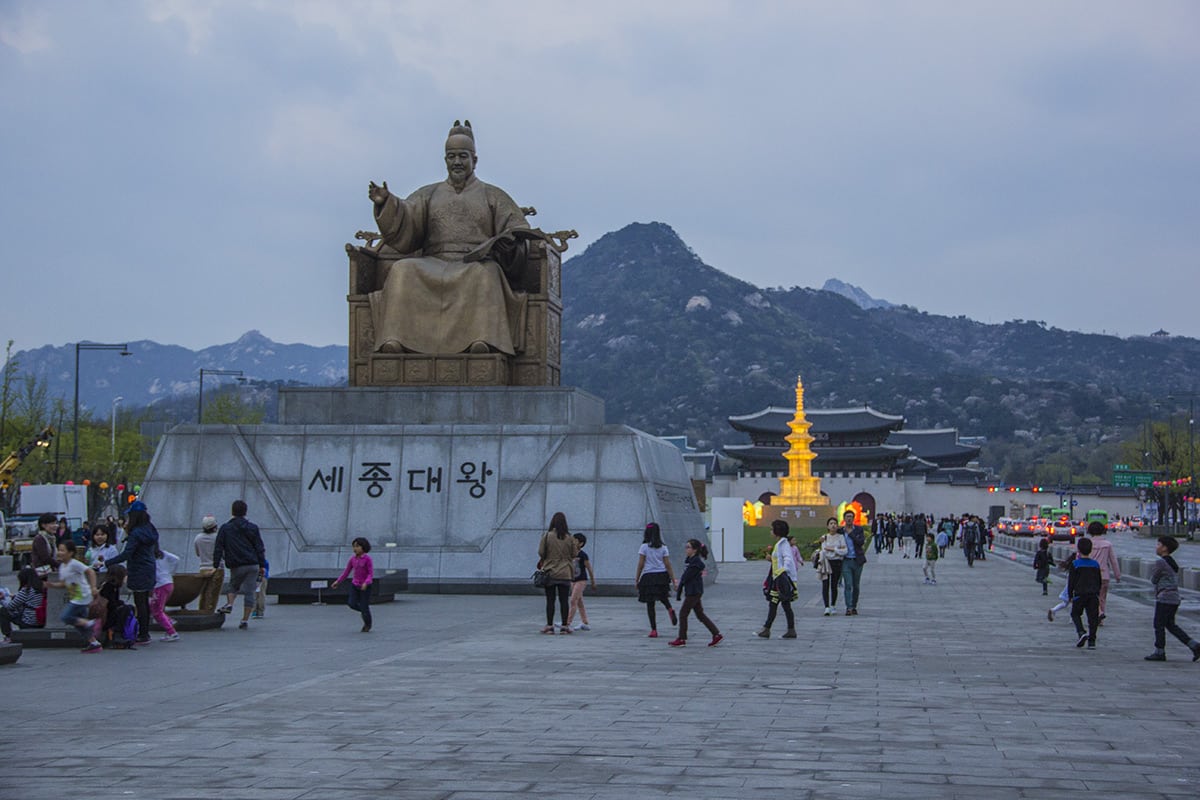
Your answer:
<point x="439" y="703"/>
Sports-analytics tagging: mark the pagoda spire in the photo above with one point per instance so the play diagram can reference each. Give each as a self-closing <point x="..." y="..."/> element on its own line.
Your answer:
<point x="799" y="488"/>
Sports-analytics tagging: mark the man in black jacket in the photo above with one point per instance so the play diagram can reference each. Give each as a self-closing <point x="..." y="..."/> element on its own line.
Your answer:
<point x="241" y="546"/>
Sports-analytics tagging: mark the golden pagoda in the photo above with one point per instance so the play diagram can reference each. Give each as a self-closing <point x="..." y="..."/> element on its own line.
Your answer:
<point x="799" y="488"/>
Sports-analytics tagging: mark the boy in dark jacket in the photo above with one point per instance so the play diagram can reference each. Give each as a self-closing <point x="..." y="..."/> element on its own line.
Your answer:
<point x="1083" y="586"/>
<point x="1165" y="577"/>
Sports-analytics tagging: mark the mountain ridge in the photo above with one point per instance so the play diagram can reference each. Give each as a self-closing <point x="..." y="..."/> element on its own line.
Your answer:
<point x="675" y="346"/>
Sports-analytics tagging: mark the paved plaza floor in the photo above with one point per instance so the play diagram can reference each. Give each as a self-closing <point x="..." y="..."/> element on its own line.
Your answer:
<point x="962" y="689"/>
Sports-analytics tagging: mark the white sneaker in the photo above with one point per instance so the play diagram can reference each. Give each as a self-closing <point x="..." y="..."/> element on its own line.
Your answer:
<point x="583" y="626"/>
<point x="170" y="637"/>
<point x="828" y="611"/>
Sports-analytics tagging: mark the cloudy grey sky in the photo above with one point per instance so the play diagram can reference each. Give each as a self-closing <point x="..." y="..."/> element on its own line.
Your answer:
<point x="186" y="171"/>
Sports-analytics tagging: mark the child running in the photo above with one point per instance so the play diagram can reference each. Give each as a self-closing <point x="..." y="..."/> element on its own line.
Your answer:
<point x="1042" y="562"/>
<point x="1165" y="577"/>
<point x="1084" y="588"/>
<point x="691" y="586"/>
<point x="1064" y="597"/>
<point x="80" y="583"/>
<point x="359" y="593"/>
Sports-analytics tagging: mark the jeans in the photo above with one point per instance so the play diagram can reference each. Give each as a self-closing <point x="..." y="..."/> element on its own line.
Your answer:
<point x="1090" y="604"/>
<point x="829" y="586"/>
<point x="1164" y="620"/>
<point x="852" y="580"/>
<point x="930" y="569"/>
<point x="690" y="604"/>
<point x="359" y="598"/>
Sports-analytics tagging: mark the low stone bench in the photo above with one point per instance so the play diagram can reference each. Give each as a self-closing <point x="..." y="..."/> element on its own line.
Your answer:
<point x="56" y="636"/>
<point x="9" y="653"/>
<point x="297" y="586"/>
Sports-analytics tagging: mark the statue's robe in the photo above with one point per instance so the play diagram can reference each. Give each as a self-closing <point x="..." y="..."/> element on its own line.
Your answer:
<point x="446" y="290"/>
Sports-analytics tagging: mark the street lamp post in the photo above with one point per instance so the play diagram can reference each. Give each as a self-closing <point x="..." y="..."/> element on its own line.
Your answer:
<point x="237" y="373"/>
<point x="124" y="348"/>
<point x="115" y="400"/>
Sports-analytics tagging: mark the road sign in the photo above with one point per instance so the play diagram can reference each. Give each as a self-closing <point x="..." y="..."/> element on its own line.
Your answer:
<point x="1132" y="480"/>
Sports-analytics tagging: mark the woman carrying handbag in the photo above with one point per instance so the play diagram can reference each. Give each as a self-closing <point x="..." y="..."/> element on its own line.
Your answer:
<point x="831" y="550"/>
<point x="782" y="582"/>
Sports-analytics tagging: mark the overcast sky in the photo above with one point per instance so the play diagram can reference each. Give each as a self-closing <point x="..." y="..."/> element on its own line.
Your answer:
<point x="187" y="171"/>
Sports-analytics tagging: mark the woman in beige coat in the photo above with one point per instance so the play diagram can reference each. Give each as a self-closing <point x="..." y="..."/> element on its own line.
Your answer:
<point x="556" y="555"/>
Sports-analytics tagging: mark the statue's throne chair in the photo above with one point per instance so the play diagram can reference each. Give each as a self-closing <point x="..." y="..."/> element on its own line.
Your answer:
<point x="538" y="361"/>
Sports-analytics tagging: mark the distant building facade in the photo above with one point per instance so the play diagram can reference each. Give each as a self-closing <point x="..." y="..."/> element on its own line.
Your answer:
<point x="869" y="457"/>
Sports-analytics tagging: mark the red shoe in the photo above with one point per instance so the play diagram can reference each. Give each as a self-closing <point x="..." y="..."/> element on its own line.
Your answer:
<point x="677" y="642"/>
<point x="716" y="640"/>
<point x="653" y="634"/>
<point x="671" y="614"/>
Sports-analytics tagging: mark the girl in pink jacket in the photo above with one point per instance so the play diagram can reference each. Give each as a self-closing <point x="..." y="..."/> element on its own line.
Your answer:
<point x="363" y="569"/>
<point x="1106" y="557"/>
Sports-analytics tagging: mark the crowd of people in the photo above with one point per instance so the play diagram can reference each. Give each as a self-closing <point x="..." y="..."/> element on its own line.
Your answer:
<point x="98" y="578"/>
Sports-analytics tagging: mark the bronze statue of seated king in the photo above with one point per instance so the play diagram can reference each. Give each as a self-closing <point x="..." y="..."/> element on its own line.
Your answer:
<point x="460" y="290"/>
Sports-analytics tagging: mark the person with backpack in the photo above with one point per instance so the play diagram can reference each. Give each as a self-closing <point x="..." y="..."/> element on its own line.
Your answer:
<point x="120" y="621"/>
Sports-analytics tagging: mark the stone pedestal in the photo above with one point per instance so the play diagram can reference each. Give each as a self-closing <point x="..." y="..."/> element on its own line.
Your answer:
<point x="454" y="484"/>
<point x="799" y="516"/>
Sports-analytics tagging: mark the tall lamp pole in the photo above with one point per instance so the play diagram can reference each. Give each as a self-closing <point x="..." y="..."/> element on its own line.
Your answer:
<point x="124" y="348"/>
<point x="115" y="400"/>
<point x="237" y="373"/>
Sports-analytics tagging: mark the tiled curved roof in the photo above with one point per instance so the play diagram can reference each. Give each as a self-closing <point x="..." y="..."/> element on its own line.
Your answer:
<point x="774" y="419"/>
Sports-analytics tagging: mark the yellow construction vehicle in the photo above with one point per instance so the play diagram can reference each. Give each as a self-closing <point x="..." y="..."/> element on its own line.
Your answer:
<point x="14" y="459"/>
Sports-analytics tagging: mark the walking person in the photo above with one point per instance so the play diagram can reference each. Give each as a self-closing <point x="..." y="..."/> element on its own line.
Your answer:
<point x="203" y="544"/>
<point x="970" y="541"/>
<point x="781" y="582"/>
<point x="1042" y="562"/>
<point x="1106" y="557"/>
<point x="1165" y="577"/>
<point x="943" y="536"/>
<point x="1084" y="588"/>
<point x="931" y="558"/>
<point x="920" y="530"/>
<point x="583" y="573"/>
<point x="906" y="534"/>
<point x="655" y="577"/>
<point x="361" y="570"/>
<point x="164" y="583"/>
<point x="139" y="557"/>
<point x="831" y="551"/>
<point x="691" y="587"/>
<point x="556" y="555"/>
<point x="852" y="565"/>
<point x="241" y="546"/>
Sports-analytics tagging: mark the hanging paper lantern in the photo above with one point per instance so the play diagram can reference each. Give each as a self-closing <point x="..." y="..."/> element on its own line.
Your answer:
<point x="132" y="497"/>
<point x="120" y="487"/>
<point x="138" y="488"/>
<point x="70" y="483"/>
<point x="87" y="481"/>
<point x="103" y="484"/>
